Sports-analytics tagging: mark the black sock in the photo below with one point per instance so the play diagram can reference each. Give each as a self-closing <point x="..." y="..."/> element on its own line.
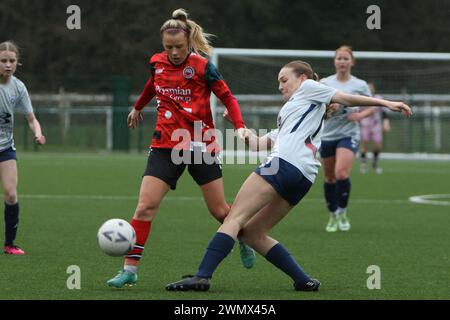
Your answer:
<point x="343" y="192"/>
<point x="330" y="196"/>
<point x="363" y="157"/>
<point x="11" y="223"/>
<point x="375" y="159"/>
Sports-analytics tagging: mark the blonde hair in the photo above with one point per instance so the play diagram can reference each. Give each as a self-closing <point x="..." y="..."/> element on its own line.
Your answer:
<point x="347" y="49"/>
<point x="10" y="46"/>
<point x="302" y="67"/>
<point x="198" y="39"/>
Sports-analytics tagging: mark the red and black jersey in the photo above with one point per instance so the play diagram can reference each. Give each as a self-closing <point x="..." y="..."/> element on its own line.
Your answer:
<point x="183" y="93"/>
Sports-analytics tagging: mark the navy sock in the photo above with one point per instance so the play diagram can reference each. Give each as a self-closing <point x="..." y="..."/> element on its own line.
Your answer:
<point x="343" y="192"/>
<point x="11" y="223"/>
<point x="330" y="196"/>
<point x="219" y="247"/>
<point x="282" y="259"/>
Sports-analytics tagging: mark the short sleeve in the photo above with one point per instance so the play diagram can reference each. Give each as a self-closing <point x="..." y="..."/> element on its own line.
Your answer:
<point x="212" y="74"/>
<point x="365" y="91"/>
<point x="24" y="102"/>
<point x="318" y="92"/>
<point x="272" y="135"/>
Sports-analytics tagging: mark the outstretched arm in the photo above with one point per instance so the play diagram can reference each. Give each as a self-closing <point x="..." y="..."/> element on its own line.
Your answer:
<point x="220" y="88"/>
<point x="36" y="128"/>
<point x="234" y="116"/>
<point x="254" y="142"/>
<point x="357" y="100"/>
<point x="357" y="116"/>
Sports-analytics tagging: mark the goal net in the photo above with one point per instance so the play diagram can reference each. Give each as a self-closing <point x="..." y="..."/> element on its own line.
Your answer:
<point x="420" y="79"/>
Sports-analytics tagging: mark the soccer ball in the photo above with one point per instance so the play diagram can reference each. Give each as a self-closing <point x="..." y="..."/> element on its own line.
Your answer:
<point x="116" y="237"/>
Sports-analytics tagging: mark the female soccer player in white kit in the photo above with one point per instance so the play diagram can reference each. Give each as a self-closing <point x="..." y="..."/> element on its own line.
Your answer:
<point x="340" y="140"/>
<point x="283" y="180"/>
<point x="13" y="97"/>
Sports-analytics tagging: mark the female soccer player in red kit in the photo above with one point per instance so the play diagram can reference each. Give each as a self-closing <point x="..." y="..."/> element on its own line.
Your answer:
<point x="182" y="81"/>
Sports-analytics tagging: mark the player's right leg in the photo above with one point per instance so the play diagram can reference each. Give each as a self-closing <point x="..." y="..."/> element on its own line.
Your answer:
<point x="254" y="194"/>
<point x="151" y="194"/>
<point x="255" y="233"/>
<point x="160" y="176"/>
<point x="209" y="178"/>
<point x="8" y="177"/>
<point x="213" y="194"/>
<point x="329" y="188"/>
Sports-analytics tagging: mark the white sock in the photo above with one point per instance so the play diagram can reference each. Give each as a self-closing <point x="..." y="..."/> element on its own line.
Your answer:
<point x="340" y="211"/>
<point x="130" y="268"/>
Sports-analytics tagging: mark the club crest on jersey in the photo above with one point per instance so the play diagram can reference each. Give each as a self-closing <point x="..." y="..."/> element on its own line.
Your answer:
<point x="188" y="72"/>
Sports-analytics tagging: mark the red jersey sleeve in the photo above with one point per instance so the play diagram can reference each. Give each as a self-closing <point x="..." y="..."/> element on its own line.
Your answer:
<point x="221" y="90"/>
<point x="146" y="95"/>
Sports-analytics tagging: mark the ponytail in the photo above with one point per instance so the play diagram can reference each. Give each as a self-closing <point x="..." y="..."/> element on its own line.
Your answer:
<point x="199" y="40"/>
<point x="316" y="77"/>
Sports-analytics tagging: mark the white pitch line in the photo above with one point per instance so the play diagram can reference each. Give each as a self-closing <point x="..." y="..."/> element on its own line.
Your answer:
<point x="175" y="198"/>
<point x="429" y="199"/>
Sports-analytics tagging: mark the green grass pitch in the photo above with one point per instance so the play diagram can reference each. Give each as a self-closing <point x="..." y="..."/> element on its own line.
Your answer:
<point x="64" y="199"/>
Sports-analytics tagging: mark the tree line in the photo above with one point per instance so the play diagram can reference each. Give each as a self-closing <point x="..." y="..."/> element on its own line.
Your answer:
<point x="117" y="37"/>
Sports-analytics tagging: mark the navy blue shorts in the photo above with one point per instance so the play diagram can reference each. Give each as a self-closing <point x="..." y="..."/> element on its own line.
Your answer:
<point x="286" y="179"/>
<point x="328" y="148"/>
<point x="8" y="154"/>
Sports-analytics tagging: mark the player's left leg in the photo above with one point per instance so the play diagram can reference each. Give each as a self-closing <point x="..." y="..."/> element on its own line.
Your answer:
<point x="376" y="156"/>
<point x="255" y="233"/>
<point x="377" y="145"/>
<point x="8" y="175"/>
<point x="330" y="194"/>
<point x="213" y="194"/>
<point x="365" y="138"/>
<point x="344" y="162"/>
<point x="363" y="156"/>
<point x="328" y="155"/>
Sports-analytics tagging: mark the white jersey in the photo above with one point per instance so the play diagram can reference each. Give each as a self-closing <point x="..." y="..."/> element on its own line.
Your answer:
<point x="13" y="97"/>
<point x="338" y="126"/>
<point x="300" y="123"/>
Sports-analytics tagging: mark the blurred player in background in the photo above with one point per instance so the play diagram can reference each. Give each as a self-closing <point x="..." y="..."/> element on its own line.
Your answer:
<point x="273" y="189"/>
<point x="182" y="81"/>
<point x="13" y="97"/>
<point x="372" y="129"/>
<point x="340" y="140"/>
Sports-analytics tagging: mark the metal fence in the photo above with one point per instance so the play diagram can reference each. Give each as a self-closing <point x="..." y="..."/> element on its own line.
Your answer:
<point x="90" y="129"/>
